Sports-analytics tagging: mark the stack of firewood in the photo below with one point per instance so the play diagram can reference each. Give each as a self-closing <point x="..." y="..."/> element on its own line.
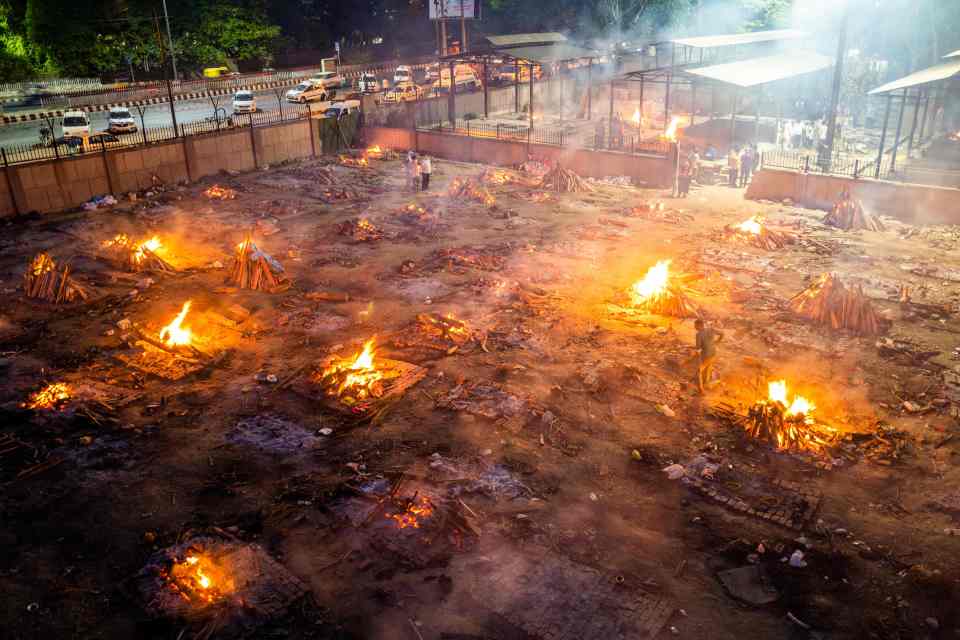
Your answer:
<point x="470" y="189"/>
<point x="672" y="301"/>
<point x="828" y="302"/>
<point x="564" y="181"/>
<point x="769" y="422"/>
<point x="128" y="255"/>
<point x="254" y="269"/>
<point x="767" y="238"/>
<point x="848" y="214"/>
<point x="44" y="282"/>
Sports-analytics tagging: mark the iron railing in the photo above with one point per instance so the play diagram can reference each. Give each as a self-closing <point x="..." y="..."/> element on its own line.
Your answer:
<point x="858" y="167"/>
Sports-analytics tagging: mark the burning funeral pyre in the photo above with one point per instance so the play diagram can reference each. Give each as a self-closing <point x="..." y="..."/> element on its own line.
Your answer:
<point x="360" y="230"/>
<point x="216" y="192"/>
<point x="657" y="211"/>
<point x="784" y="422"/>
<point x="535" y="197"/>
<point x="470" y="189"/>
<point x="660" y="293"/>
<point x="501" y="177"/>
<point x="670" y="133"/>
<point x="564" y="181"/>
<point x="828" y="302"/>
<point x="50" y="397"/>
<point x="362" y="382"/>
<point x="136" y="256"/>
<point x="848" y="214"/>
<point x="438" y="333"/>
<point x="412" y="512"/>
<point x="755" y="232"/>
<point x="417" y="215"/>
<point x="378" y="153"/>
<point x="43" y="281"/>
<point x="255" y="269"/>
<point x="359" y="162"/>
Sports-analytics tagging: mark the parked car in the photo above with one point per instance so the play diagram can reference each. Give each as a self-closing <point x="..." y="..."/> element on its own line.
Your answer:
<point x="406" y="92"/>
<point x="368" y="83"/>
<point x="328" y="79"/>
<point x="403" y="73"/>
<point x="121" y="120"/>
<point x="244" y="102"/>
<point x="75" y="124"/>
<point x="306" y="91"/>
<point x="340" y="109"/>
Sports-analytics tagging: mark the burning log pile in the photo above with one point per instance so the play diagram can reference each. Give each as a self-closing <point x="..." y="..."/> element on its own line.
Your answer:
<point x="89" y="399"/>
<point x="536" y="197"/>
<point x="52" y="396"/>
<point x="359" y="162"/>
<point x="216" y="192"/>
<point x="364" y="383"/>
<point x="848" y="214"/>
<point x="255" y="269"/>
<point x="657" y="211"/>
<point x="482" y="258"/>
<point x="755" y="232"/>
<point x="378" y="153"/>
<point x="43" y="281"/>
<point x="339" y="194"/>
<point x="470" y="190"/>
<point x="433" y="332"/>
<point x="828" y="302"/>
<point x="360" y="230"/>
<point x="136" y="256"/>
<point x="501" y="177"/>
<point x="564" y="181"/>
<point x="660" y="293"/>
<point x="417" y="215"/>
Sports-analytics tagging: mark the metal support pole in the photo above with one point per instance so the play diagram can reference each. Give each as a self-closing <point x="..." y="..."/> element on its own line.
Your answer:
<point x="610" y="119"/>
<point x="693" y="103"/>
<point x="923" y="118"/>
<point x="835" y="93"/>
<point x="516" y="86"/>
<point x="666" y="100"/>
<point x="896" y="139"/>
<point x="756" y="122"/>
<point x="883" y="135"/>
<point x="641" y="102"/>
<point x="486" y="95"/>
<point x="590" y="90"/>
<point x="530" y="109"/>
<point x="913" y="127"/>
<point x="452" y="97"/>
<point x="733" y="119"/>
<point x="173" y="111"/>
<point x="561" y="98"/>
<point x="173" y="56"/>
<point x="106" y="165"/>
<point x="253" y="142"/>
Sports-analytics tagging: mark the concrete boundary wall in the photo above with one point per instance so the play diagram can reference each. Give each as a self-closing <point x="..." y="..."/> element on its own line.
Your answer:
<point x="911" y="203"/>
<point x="650" y="170"/>
<point x="55" y="185"/>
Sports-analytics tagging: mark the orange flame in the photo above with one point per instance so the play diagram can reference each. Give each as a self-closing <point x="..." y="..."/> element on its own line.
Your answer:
<point x="174" y="333"/>
<point x="636" y="119"/>
<point x="653" y="283"/>
<point x="754" y="225"/>
<point x="413" y="514"/>
<point x="49" y="396"/>
<point x="216" y="192"/>
<point x="799" y="406"/>
<point x="199" y="578"/>
<point x="671" y="131"/>
<point x="361" y="373"/>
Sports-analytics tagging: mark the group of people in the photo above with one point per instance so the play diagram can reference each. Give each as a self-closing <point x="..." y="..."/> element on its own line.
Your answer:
<point x="617" y="139"/>
<point x="419" y="168"/>
<point x="740" y="165"/>
<point x="796" y="134"/>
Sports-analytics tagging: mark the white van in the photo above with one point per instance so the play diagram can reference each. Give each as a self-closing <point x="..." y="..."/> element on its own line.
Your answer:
<point x="75" y="124"/>
<point x="244" y="102"/>
<point x="121" y="120"/>
<point x="402" y="74"/>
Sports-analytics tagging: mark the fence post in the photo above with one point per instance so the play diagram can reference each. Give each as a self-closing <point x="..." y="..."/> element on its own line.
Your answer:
<point x="6" y="173"/>
<point x="106" y="164"/>
<point x="253" y="142"/>
<point x="856" y="168"/>
<point x="806" y="164"/>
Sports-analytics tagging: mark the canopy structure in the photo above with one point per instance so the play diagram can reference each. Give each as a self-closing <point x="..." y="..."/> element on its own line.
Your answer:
<point x="758" y="71"/>
<point x="524" y="39"/>
<point x="550" y="53"/>
<point x="936" y="73"/>
<point x="731" y="40"/>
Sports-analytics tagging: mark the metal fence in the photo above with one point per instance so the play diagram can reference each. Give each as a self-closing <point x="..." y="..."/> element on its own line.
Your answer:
<point x="858" y="167"/>
<point x="61" y="148"/>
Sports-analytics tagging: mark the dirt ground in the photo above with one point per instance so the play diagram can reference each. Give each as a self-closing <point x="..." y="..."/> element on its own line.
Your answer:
<point x="540" y="442"/>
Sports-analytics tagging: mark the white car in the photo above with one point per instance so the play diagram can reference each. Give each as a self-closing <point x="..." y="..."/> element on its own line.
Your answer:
<point x="244" y="102"/>
<point x="75" y="124"/>
<point x="328" y="79"/>
<point x="402" y="74"/>
<point x="340" y="109"/>
<point x="368" y="83"/>
<point x="306" y="91"/>
<point x="121" y="120"/>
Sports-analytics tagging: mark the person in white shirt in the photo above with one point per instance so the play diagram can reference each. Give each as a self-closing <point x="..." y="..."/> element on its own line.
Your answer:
<point x="426" y="168"/>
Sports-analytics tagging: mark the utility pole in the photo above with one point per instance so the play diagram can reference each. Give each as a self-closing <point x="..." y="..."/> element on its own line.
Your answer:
<point x="835" y="94"/>
<point x="463" y="30"/>
<point x="173" y="57"/>
<point x="166" y="76"/>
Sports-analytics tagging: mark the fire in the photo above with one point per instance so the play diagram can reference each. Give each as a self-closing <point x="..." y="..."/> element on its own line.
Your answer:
<point x="799" y="406"/>
<point x="49" y="396"/>
<point x="138" y="250"/>
<point x="41" y="264"/>
<point x="654" y="283"/>
<point x="175" y="334"/>
<point x="753" y="225"/>
<point x="216" y="192"/>
<point x="375" y="150"/>
<point x="671" y="131"/>
<point x="415" y="511"/>
<point x="199" y="577"/>
<point x="637" y="120"/>
<point x="359" y="378"/>
<point x="469" y="189"/>
<point x="348" y="161"/>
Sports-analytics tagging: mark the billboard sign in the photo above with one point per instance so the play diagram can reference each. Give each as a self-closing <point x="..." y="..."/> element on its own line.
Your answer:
<point x="451" y="9"/>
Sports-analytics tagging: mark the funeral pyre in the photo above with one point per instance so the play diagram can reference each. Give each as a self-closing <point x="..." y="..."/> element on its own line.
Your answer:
<point x="830" y="303"/>
<point x="360" y="382"/>
<point x="378" y="153"/>
<point x="661" y="293"/>
<point x="535" y="197"/>
<point x="784" y="422"/>
<point x="354" y="161"/>
<point x="848" y="214"/>
<point x="255" y="269"/>
<point x="360" y="230"/>
<point x="470" y="189"/>
<point x="410" y="513"/>
<point x="135" y="256"/>
<point x="50" y="397"/>
<point x="434" y="332"/>
<point x="657" y="211"/>
<point x="417" y="215"/>
<point x="564" y="181"/>
<point x="755" y="232"/>
<point x="44" y="281"/>
<point x="216" y="192"/>
<point x="500" y="177"/>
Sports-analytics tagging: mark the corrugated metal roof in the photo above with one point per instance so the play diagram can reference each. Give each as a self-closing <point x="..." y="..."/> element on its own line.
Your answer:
<point x="750" y="73"/>
<point x="550" y="53"/>
<point x="729" y="40"/>
<point x="520" y="39"/>
<point x="937" y="72"/>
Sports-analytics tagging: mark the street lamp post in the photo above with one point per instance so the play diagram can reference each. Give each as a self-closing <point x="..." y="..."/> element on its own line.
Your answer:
<point x="173" y="57"/>
<point x="835" y="94"/>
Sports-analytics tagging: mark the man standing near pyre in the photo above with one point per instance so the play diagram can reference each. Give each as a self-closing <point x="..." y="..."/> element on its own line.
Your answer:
<point x="707" y="339"/>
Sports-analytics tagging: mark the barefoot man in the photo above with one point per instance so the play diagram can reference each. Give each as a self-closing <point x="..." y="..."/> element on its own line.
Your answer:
<point x="707" y="339"/>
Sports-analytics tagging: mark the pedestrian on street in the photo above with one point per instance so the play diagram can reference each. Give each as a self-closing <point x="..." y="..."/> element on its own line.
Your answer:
<point x="733" y="166"/>
<point x="707" y="339"/>
<point x="426" y="168"/>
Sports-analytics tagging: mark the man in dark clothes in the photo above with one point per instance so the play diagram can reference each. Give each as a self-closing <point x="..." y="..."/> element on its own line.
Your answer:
<point x="707" y="339"/>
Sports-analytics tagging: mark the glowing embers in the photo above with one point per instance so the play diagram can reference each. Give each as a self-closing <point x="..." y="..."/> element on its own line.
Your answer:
<point x="360" y="162"/>
<point x="657" y="211"/>
<point x="564" y="181"/>
<point x="468" y="189"/>
<point x="417" y="215"/>
<point x="199" y="578"/>
<point x="829" y="303"/>
<point x="660" y="293"/>
<point x="755" y="232"/>
<point x="360" y="230"/>
<point x="175" y="334"/>
<point x="216" y="192"/>
<point x="44" y="281"/>
<point x="413" y="512"/>
<point x="142" y="255"/>
<point x="437" y="334"/>
<point x="52" y="396"/>
<point x="255" y="269"/>
<point x="536" y="197"/>
<point x="848" y="214"/>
